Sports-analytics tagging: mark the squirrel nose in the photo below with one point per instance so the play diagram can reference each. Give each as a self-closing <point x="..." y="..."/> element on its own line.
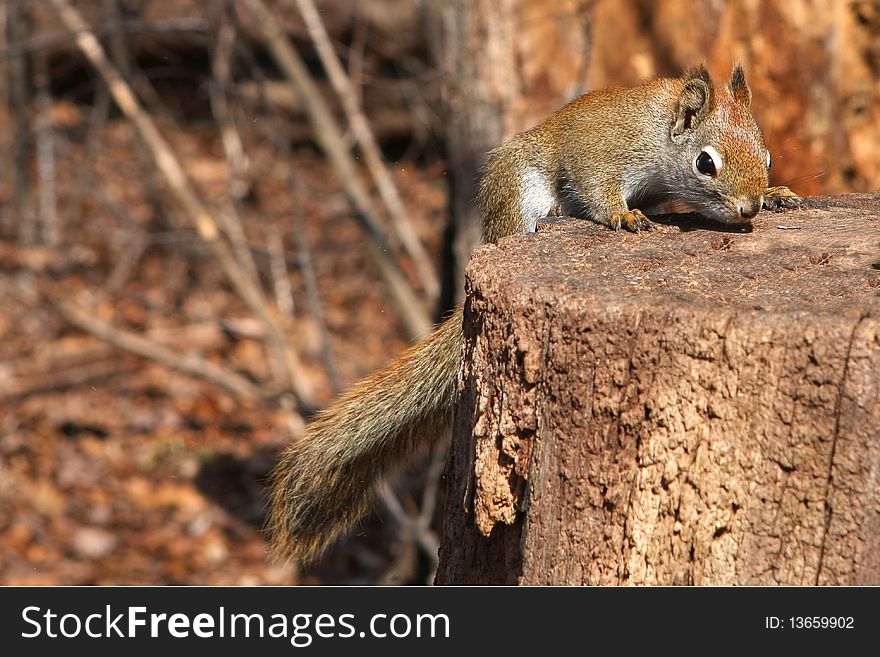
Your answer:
<point x="748" y="208"/>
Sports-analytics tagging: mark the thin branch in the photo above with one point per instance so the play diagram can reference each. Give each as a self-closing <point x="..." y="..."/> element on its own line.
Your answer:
<point x="278" y="267"/>
<point x="425" y="538"/>
<point x="97" y="121"/>
<point x="60" y="365"/>
<point x="86" y="320"/>
<point x="356" y="52"/>
<point x="162" y="154"/>
<point x="119" y="53"/>
<point x="230" y="221"/>
<point x="222" y="71"/>
<point x="126" y="27"/>
<point x="46" y="164"/>
<point x="432" y="482"/>
<point x="17" y="70"/>
<point x="313" y="296"/>
<point x="80" y="375"/>
<point x="232" y="147"/>
<point x="7" y="163"/>
<point x="131" y="73"/>
<point x="372" y="155"/>
<point x="189" y="363"/>
<point x="132" y="252"/>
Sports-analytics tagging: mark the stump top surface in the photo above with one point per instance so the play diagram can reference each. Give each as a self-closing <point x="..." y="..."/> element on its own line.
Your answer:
<point x="823" y="258"/>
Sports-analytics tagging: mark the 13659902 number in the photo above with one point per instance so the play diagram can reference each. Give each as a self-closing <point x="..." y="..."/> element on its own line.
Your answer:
<point x="821" y="622"/>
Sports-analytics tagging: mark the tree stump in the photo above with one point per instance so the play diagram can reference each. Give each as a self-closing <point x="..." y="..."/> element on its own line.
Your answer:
<point x="691" y="405"/>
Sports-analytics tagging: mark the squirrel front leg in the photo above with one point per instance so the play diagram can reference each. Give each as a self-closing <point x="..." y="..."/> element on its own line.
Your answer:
<point x="517" y="191"/>
<point x="620" y="215"/>
<point x="608" y="207"/>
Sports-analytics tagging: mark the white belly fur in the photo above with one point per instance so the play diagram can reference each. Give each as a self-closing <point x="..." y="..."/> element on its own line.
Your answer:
<point x="537" y="198"/>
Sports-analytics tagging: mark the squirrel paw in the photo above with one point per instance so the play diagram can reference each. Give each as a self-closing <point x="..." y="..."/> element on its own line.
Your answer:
<point x="632" y="220"/>
<point x="778" y="199"/>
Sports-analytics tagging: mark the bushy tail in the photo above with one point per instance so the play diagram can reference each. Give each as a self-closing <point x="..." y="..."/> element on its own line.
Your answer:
<point x="325" y="481"/>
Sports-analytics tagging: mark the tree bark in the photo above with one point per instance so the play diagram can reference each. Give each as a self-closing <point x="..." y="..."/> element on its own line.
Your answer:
<point x="506" y="65"/>
<point x="685" y="406"/>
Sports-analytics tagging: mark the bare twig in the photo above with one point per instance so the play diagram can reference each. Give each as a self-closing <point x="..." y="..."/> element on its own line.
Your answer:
<point x="330" y="137"/>
<point x="230" y="221"/>
<point x="432" y="482"/>
<point x="424" y="537"/>
<point x="60" y="364"/>
<point x="313" y="297"/>
<point x="278" y="267"/>
<point x="237" y="166"/>
<point x="132" y="252"/>
<point x="79" y="375"/>
<point x="356" y="52"/>
<point x="7" y="163"/>
<point x="132" y="74"/>
<point x="45" y="138"/>
<point x="177" y="26"/>
<point x="222" y="70"/>
<point x="119" y="51"/>
<point x="98" y="115"/>
<point x="188" y="363"/>
<point x="145" y="347"/>
<point x="27" y="220"/>
<point x="372" y="155"/>
<point x="177" y="180"/>
<point x="232" y="147"/>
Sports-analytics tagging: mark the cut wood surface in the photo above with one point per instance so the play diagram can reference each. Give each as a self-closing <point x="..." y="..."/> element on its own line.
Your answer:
<point x="692" y="405"/>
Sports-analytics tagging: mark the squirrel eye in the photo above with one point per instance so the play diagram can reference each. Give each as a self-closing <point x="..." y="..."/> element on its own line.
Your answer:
<point x="705" y="165"/>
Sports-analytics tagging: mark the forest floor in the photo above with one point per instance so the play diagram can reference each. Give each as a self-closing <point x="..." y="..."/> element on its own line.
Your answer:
<point x="115" y="469"/>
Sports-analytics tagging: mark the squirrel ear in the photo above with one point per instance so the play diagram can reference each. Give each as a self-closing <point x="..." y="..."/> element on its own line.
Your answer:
<point x="739" y="87"/>
<point x="695" y="102"/>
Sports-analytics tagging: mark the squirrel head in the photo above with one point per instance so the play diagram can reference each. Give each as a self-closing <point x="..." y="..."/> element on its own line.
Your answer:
<point x="724" y="161"/>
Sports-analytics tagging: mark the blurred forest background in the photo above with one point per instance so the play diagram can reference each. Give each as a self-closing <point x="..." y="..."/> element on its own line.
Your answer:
<point x="215" y="215"/>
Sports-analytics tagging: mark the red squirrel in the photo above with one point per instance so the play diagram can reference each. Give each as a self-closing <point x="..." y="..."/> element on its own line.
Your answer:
<point x="613" y="156"/>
